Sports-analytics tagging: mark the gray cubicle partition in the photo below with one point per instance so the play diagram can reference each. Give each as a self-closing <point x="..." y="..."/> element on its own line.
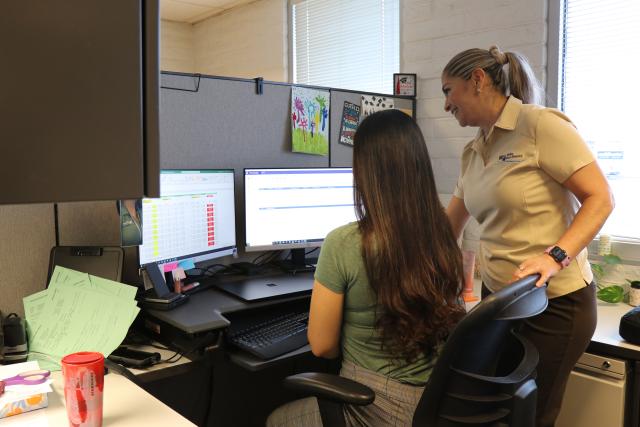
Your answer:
<point x="221" y="122"/>
<point x="226" y="124"/>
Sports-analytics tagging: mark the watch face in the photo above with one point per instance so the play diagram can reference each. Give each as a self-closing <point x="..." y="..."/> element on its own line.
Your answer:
<point x="558" y="254"/>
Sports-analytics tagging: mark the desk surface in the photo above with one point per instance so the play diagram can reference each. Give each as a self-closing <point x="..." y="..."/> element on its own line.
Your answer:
<point x="204" y="311"/>
<point x="125" y="405"/>
<point x="606" y="336"/>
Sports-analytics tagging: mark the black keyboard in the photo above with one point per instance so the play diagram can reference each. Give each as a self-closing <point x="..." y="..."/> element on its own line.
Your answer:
<point x="273" y="337"/>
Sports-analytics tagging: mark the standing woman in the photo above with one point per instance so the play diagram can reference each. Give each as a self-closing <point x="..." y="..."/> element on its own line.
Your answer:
<point x="387" y="287"/>
<point x="522" y="177"/>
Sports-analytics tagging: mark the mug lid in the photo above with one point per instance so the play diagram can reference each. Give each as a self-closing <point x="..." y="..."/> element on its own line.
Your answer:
<point x="82" y="358"/>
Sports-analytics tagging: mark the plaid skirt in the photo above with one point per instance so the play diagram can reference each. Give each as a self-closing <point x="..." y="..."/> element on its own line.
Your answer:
<point x="394" y="404"/>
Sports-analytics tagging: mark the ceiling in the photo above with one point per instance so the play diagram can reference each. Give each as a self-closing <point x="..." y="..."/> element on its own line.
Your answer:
<point x="192" y="11"/>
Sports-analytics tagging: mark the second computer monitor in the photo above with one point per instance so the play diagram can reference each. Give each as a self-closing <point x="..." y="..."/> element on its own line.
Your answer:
<point x="192" y="221"/>
<point x="295" y="208"/>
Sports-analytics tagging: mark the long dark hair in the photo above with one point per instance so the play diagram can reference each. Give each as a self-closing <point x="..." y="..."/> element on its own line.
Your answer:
<point x="413" y="261"/>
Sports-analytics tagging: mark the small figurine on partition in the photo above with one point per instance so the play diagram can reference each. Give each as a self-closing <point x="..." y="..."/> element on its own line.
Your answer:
<point x="404" y="84"/>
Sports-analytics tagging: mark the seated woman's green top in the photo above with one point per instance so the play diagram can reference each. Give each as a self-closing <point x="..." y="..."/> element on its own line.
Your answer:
<point x="341" y="268"/>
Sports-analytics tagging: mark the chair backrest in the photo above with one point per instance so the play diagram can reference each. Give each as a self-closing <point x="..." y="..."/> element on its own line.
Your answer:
<point x="485" y="372"/>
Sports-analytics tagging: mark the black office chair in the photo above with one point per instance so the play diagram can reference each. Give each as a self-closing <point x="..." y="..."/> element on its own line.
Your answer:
<point x="484" y="376"/>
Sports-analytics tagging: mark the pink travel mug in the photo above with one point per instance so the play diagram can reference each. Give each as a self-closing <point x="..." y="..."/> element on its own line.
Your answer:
<point x="83" y="375"/>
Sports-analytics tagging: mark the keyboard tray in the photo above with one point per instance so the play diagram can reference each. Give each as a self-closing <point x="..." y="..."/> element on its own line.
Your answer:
<point x="270" y="333"/>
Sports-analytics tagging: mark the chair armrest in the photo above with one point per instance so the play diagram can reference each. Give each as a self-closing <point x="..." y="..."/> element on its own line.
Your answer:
<point x="331" y="387"/>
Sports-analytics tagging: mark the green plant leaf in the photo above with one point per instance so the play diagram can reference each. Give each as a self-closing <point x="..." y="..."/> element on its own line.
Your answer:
<point x="597" y="270"/>
<point x="612" y="294"/>
<point x="612" y="259"/>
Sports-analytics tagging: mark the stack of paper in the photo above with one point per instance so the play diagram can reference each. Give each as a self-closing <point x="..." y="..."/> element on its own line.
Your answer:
<point x="78" y="312"/>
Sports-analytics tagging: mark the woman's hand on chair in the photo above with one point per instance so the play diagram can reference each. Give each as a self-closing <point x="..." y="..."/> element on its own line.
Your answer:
<point x="542" y="264"/>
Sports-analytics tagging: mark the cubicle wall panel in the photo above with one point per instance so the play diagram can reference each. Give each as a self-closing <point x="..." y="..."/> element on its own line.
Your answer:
<point x="28" y="235"/>
<point x="227" y="125"/>
<point x="96" y="224"/>
<point x="89" y="224"/>
<point x="342" y="155"/>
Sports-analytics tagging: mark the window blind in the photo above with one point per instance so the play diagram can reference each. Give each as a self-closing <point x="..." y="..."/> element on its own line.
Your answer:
<point x="350" y="44"/>
<point x="599" y="93"/>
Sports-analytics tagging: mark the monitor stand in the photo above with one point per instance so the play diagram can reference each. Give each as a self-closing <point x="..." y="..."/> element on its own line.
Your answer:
<point x="298" y="262"/>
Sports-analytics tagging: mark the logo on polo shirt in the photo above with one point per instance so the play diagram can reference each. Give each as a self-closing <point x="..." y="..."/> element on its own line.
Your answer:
<point x="511" y="158"/>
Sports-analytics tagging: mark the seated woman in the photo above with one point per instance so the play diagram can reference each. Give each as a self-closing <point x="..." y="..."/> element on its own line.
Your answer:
<point x="387" y="287"/>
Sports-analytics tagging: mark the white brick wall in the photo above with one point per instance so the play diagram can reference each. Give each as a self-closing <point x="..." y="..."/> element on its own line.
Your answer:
<point x="247" y="41"/>
<point x="432" y="31"/>
<point x="176" y="47"/>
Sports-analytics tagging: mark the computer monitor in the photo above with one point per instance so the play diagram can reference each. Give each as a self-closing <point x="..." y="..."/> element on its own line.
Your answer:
<point x="295" y="208"/>
<point x="192" y="221"/>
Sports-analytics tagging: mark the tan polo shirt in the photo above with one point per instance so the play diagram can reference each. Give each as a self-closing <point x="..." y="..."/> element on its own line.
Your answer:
<point x="512" y="185"/>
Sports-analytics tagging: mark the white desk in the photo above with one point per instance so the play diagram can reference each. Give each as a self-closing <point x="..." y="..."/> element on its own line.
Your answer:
<point x="608" y="323"/>
<point x="125" y="405"/>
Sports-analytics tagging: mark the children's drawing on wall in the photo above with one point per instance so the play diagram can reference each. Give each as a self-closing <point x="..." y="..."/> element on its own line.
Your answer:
<point x="350" y="121"/>
<point x="310" y="121"/>
<point x="372" y="103"/>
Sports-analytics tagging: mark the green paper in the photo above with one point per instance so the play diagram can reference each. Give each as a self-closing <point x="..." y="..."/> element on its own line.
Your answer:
<point x="78" y="312"/>
<point x="113" y="288"/>
<point x="34" y="304"/>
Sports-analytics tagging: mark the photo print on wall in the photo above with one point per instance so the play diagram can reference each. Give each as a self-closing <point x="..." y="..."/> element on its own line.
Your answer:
<point x="404" y="84"/>
<point x="350" y="121"/>
<point x="372" y="103"/>
<point x="309" y="121"/>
